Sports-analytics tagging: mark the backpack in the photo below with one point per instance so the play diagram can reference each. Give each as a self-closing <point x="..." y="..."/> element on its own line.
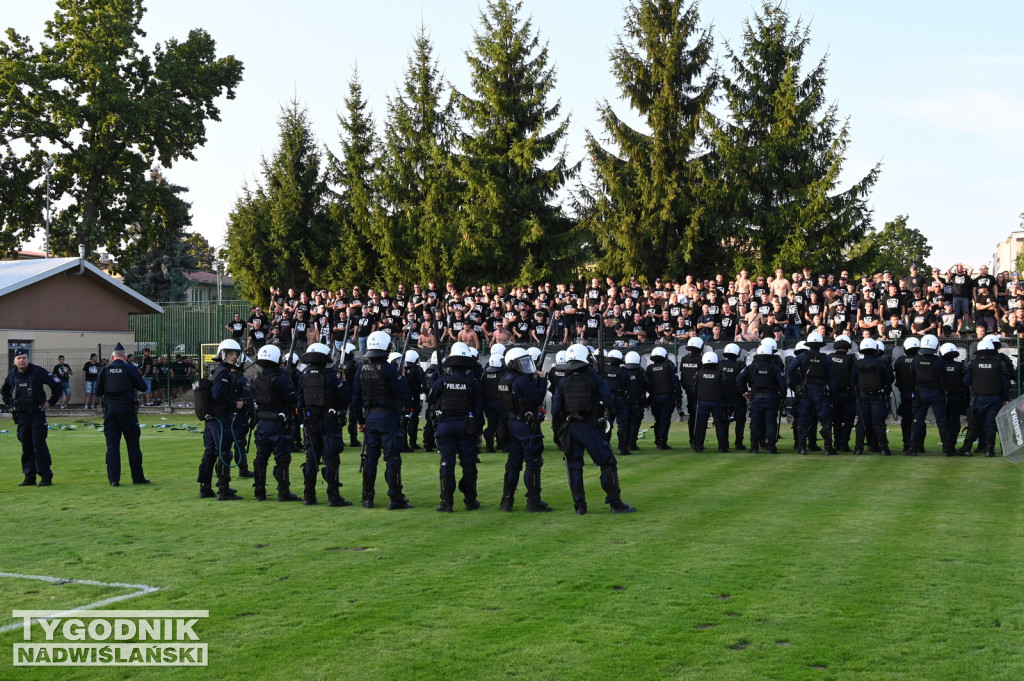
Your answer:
<point x="202" y="399"/>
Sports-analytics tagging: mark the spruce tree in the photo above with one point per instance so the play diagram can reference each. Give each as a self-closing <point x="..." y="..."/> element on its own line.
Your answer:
<point x="643" y="210"/>
<point x="779" y="152"/>
<point x="510" y="227"/>
<point x="278" y="228"/>
<point x="418" y="190"/>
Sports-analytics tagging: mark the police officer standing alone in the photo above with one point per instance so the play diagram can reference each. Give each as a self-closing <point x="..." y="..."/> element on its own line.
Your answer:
<point x="322" y="401"/>
<point x="664" y="391"/>
<point x="116" y="386"/>
<point x="275" y="407"/>
<point x="379" y="394"/>
<point x="457" y="401"/>
<point x="764" y="381"/>
<point x="24" y="390"/>
<point x="521" y="392"/>
<point x="584" y="398"/>
<point x="990" y="385"/>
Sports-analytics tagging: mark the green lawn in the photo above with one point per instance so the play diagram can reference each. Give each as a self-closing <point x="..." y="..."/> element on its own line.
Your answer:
<point x="737" y="566"/>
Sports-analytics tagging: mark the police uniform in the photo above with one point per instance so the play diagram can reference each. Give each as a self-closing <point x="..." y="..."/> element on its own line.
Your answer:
<point x="634" y="381"/>
<point x="220" y="431"/>
<point x="957" y="397"/>
<point x="25" y="392"/>
<point x="731" y="367"/>
<point x="241" y="426"/>
<point x="689" y="365"/>
<point x="664" y="391"/>
<point x="379" y="393"/>
<point x="322" y="399"/>
<point x="766" y="384"/>
<point x="493" y="412"/>
<point x="457" y="402"/>
<point x="614" y="377"/>
<point x="815" y="386"/>
<point x="348" y="370"/>
<point x="927" y="371"/>
<point x="275" y="410"/>
<point x="583" y="397"/>
<point x="874" y="383"/>
<point x="430" y="375"/>
<point x="709" y="391"/>
<point x="844" y="404"/>
<point x="521" y="397"/>
<point x="415" y="378"/>
<point x="990" y="387"/>
<point x="902" y="369"/>
<point x="117" y="385"/>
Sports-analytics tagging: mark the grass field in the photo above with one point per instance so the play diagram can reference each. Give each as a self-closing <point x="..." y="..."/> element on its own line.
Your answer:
<point x="737" y="566"/>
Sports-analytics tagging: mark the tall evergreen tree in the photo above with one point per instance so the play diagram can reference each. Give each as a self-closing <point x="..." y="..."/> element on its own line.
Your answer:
<point x="355" y="255"/>
<point x="510" y="228"/>
<point x="278" y="227"/>
<point x="418" y="189"/>
<point x="643" y="208"/>
<point x="778" y="156"/>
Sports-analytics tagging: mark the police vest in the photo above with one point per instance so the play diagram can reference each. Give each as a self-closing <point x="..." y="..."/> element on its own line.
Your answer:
<point x="688" y="368"/>
<point x="506" y="397"/>
<point x="764" y="380"/>
<point x="634" y="384"/>
<point x="953" y="379"/>
<point x="414" y="376"/>
<point x="842" y="369"/>
<point x="376" y="392"/>
<point x="267" y="401"/>
<point x="555" y="376"/>
<point x="730" y="368"/>
<point x="709" y="385"/>
<point x="24" y="394"/>
<point x="815" y="370"/>
<point x="926" y="372"/>
<point x="580" y="394"/>
<point x="659" y="375"/>
<point x="986" y="375"/>
<point x="613" y="377"/>
<point x="116" y="379"/>
<point x="869" y="376"/>
<point x="903" y="368"/>
<point x="316" y="392"/>
<point x="456" y="395"/>
<point x="491" y="377"/>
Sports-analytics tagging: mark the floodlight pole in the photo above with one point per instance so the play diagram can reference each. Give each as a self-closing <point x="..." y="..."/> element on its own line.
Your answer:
<point x="49" y="166"/>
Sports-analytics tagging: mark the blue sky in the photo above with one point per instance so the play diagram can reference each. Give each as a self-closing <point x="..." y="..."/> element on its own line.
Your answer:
<point x="933" y="90"/>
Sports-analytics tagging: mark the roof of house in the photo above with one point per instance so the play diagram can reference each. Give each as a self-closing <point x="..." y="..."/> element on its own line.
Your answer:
<point x="18" y="274"/>
<point x="202" y="277"/>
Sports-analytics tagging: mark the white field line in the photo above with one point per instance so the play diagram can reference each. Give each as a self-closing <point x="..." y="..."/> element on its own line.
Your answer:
<point x="139" y="590"/>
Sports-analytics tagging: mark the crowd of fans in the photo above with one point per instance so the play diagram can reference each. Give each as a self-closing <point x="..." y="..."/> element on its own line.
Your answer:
<point x="887" y="306"/>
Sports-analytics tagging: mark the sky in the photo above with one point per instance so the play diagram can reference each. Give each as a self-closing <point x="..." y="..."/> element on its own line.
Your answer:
<point x="934" y="91"/>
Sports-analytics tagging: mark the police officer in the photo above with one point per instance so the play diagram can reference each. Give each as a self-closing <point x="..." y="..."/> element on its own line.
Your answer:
<point x="117" y="385"/>
<point x="635" y="381"/>
<point x="990" y="387"/>
<point x="1007" y="364"/>
<point x="430" y="375"/>
<point x="226" y="407"/>
<point x="731" y="366"/>
<point x="902" y="369"/>
<point x="24" y="390"/>
<point x="957" y="394"/>
<point x="614" y="378"/>
<point x="241" y="426"/>
<point x="664" y="391"/>
<point x="555" y="376"/>
<point x="811" y="376"/>
<point x="844" y="399"/>
<point x="322" y="400"/>
<point x="456" y="399"/>
<point x="927" y="371"/>
<point x="689" y="365"/>
<point x="765" y="383"/>
<point x="584" y="398"/>
<point x="380" y="392"/>
<point x="521" y="392"/>
<point x="415" y="378"/>
<point x="709" y="391"/>
<point x="275" y="409"/>
<point x="874" y="382"/>
<point x="348" y="375"/>
<point x="489" y="386"/>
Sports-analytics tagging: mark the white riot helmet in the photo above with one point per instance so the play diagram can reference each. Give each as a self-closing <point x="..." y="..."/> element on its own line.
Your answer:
<point x="412" y="357"/>
<point x="615" y="355"/>
<point x="229" y="345"/>
<point x="347" y="351"/>
<point x="393" y="357"/>
<point x="770" y="344"/>
<point x="911" y="344"/>
<point x="929" y="343"/>
<point x="459" y="348"/>
<point x="948" y="348"/>
<point x="317" y="353"/>
<point x="764" y="351"/>
<point x="534" y="354"/>
<point x="560" y="357"/>
<point x="996" y="340"/>
<point x="433" y="358"/>
<point x="378" y="344"/>
<point x="461" y="356"/>
<point x="731" y="349"/>
<point x="269" y="356"/>
<point x="695" y="344"/>
<point x="814" y="340"/>
<point x="577" y="356"/>
<point x="473" y="352"/>
<point x="494" y="361"/>
<point x="709" y="358"/>
<point x="800" y="347"/>
<point x="632" y="358"/>
<point x="842" y="342"/>
<point x="519" y="360"/>
<point x="985" y="344"/>
<point x="659" y="352"/>
<point x="498" y="349"/>
<point x="867" y="346"/>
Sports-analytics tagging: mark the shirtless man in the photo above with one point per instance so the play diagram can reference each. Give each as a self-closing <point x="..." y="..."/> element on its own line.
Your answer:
<point x="743" y="284"/>
<point x="780" y="285"/>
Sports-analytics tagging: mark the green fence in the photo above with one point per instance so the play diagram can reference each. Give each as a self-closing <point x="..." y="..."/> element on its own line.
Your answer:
<point x="184" y="327"/>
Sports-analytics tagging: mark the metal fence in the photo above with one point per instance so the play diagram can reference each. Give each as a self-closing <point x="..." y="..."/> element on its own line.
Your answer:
<point x="184" y="327"/>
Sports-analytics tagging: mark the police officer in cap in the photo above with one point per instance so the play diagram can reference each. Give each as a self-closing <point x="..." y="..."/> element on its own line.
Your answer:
<point x="927" y="371"/>
<point x="902" y="369"/>
<point x="521" y="392"/>
<point x="322" y="400"/>
<point x="817" y="383"/>
<point x="874" y="383"/>
<point x="24" y="390"/>
<point x="664" y="392"/>
<point x="765" y="383"/>
<point x="117" y="385"/>
<point x="614" y="378"/>
<point x="275" y="409"/>
<point x="709" y="391"/>
<point x="380" y="393"/>
<point x="457" y="402"/>
<point x="844" y="399"/>
<point x="584" y="398"/>
<point x="689" y="365"/>
<point x="731" y="366"/>
<point x="227" y="405"/>
<point x="634" y="379"/>
<point x="990" y="385"/>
